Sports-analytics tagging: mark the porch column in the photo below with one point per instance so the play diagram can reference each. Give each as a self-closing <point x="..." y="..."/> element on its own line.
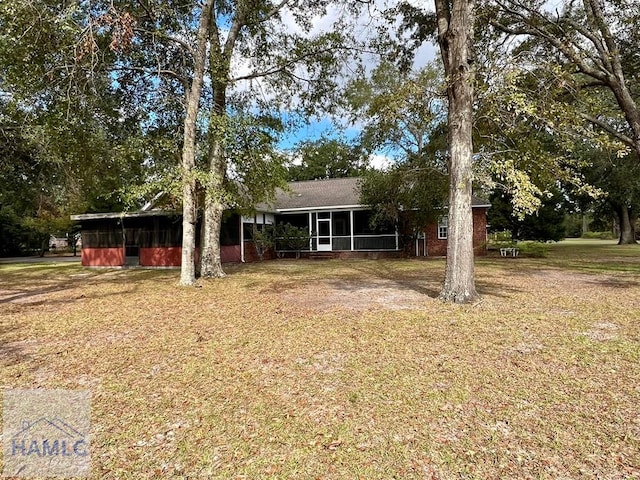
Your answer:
<point x="351" y="230"/>
<point x="397" y="244"/>
<point x="310" y="233"/>
<point x="241" y="239"/>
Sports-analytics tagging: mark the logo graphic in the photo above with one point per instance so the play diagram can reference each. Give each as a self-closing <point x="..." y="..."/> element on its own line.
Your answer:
<point x="45" y="433"/>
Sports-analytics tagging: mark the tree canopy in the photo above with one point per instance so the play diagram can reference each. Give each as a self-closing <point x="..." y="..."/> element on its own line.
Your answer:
<point x="326" y="158"/>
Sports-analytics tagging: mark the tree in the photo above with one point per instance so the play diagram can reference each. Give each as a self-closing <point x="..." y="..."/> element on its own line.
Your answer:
<point x="401" y="111"/>
<point x="192" y="105"/>
<point x="326" y="158"/>
<point x="455" y="37"/>
<point x="588" y="42"/>
<point x="619" y="179"/>
<point x="67" y="145"/>
<point x="409" y="195"/>
<point x="192" y="74"/>
<point x="546" y="224"/>
<point x="276" y="56"/>
<point x="252" y="54"/>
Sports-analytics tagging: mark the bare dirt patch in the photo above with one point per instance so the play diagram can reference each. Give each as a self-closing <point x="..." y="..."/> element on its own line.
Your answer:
<point x="357" y="295"/>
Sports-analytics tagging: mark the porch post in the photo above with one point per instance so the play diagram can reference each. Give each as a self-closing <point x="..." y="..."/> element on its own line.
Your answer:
<point x="241" y="239"/>
<point x="351" y="229"/>
<point x="310" y="233"/>
<point x="397" y="244"/>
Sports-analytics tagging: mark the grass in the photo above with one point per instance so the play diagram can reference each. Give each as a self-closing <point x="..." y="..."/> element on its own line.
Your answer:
<point x="342" y="369"/>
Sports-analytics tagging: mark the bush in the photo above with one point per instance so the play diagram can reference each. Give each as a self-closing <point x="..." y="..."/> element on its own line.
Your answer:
<point x="498" y="245"/>
<point x="599" y="235"/>
<point x="500" y="237"/>
<point x="533" y="249"/>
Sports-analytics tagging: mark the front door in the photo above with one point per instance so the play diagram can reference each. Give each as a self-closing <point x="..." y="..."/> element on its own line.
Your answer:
<point x="323" y="228"/>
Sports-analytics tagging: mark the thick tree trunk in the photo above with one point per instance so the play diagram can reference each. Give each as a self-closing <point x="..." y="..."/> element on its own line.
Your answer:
<point x="627" y="226"/>
<point x="189" y="211"/>
<point x="211" y="259"/>
<point x="455" y="36"/>
<point x="189" y="205"/>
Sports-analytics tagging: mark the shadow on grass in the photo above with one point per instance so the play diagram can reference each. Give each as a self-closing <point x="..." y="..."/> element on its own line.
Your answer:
<point x="26" y="285"/>
<point x="13" y="352"/>
<point x="424" y="277"/>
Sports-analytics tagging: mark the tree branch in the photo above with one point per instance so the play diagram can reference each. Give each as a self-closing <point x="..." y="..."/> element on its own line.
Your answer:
<point x="171" y="38"/>
<point x="609" y="129"/>
<point x="170" y="73"/>
<point x="283" y="67"/>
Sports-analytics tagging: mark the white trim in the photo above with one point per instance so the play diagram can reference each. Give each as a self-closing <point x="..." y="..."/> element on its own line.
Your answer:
<point x="352" y="229"/>
<point x="440" y="225"/>
<point x="241" y="239"/>
<point x="324" y="247"/>
<point x="347" y="207"/>
<point x="329" y="208"/>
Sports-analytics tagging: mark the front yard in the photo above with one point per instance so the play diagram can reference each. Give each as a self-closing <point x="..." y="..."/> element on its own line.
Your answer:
<point x="342" y="369"/>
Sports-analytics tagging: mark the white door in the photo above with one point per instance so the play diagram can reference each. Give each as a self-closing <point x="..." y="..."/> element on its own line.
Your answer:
<point x="323" y="227"/>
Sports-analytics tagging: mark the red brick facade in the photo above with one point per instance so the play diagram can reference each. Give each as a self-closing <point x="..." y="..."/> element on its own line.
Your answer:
<point x="103" y="257"/>
<point x="437" y="247"/>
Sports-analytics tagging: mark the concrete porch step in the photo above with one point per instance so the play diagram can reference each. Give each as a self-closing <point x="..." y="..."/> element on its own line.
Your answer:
<point x="321" y="255"/>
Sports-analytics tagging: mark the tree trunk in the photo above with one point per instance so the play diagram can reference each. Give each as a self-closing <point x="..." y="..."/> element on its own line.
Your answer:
<point x="455" y="36"/>
<point x="627" y="226"/>
<point x="189" y="203"/>
<point x="211" y="259"/>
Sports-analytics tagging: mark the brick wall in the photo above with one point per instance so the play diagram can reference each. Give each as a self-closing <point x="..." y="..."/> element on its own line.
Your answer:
<point x="438" y="247"/>
<point x="102" y="257"/>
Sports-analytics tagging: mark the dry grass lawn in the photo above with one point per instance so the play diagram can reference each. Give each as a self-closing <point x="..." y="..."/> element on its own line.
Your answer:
<point x="342" y="369"/>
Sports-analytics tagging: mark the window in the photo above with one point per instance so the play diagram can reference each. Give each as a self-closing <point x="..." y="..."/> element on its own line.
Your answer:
<point x="443" y="228"/>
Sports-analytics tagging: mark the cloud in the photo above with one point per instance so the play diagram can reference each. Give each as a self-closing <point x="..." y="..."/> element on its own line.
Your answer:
<point x="380" y="162"/>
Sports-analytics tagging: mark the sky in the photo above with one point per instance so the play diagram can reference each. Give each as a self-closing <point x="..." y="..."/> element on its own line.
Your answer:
<point x="331" y="128"/>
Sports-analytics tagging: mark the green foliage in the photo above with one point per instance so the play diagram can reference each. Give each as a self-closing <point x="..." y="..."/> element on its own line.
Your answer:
<point x="290" y="238"/>
<point x="533" y="249"/>
<point x="326" y="158"/>
<point x="545" y="224"/>
<point x="264" y="240"/>
<point x="283" y="237"/>
<point x="410" y="195"/>
<point x="402" y="111"/>
<point x="255" y="167"/>
<point x="598" y="235"/>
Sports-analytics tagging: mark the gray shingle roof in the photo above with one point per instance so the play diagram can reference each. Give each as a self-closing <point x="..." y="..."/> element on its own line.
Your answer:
<point x="333" y="192"/>
<point x="312" y="194"/>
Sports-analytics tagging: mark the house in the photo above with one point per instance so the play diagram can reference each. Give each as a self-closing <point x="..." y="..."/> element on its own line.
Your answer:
<point x="330" y="209"/>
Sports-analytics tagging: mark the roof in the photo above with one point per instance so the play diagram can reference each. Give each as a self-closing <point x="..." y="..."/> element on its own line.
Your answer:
<point x="141" y="213"/>
<point x="331" y="193"/>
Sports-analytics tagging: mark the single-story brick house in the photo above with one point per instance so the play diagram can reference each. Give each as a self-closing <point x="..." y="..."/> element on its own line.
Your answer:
<point x="338" y="223"/>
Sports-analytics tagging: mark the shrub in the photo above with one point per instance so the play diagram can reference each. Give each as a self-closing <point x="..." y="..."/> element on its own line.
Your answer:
<point x="599" y="235"/>
<point x="497" y="237"/>
<point x="533" y="249"/>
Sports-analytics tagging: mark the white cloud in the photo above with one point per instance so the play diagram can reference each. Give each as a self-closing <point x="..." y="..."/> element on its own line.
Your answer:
<point x="380" y="162"/>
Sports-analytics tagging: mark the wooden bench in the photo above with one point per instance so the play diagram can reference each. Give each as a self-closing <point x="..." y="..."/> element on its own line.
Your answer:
<point x="509" y="252"/>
